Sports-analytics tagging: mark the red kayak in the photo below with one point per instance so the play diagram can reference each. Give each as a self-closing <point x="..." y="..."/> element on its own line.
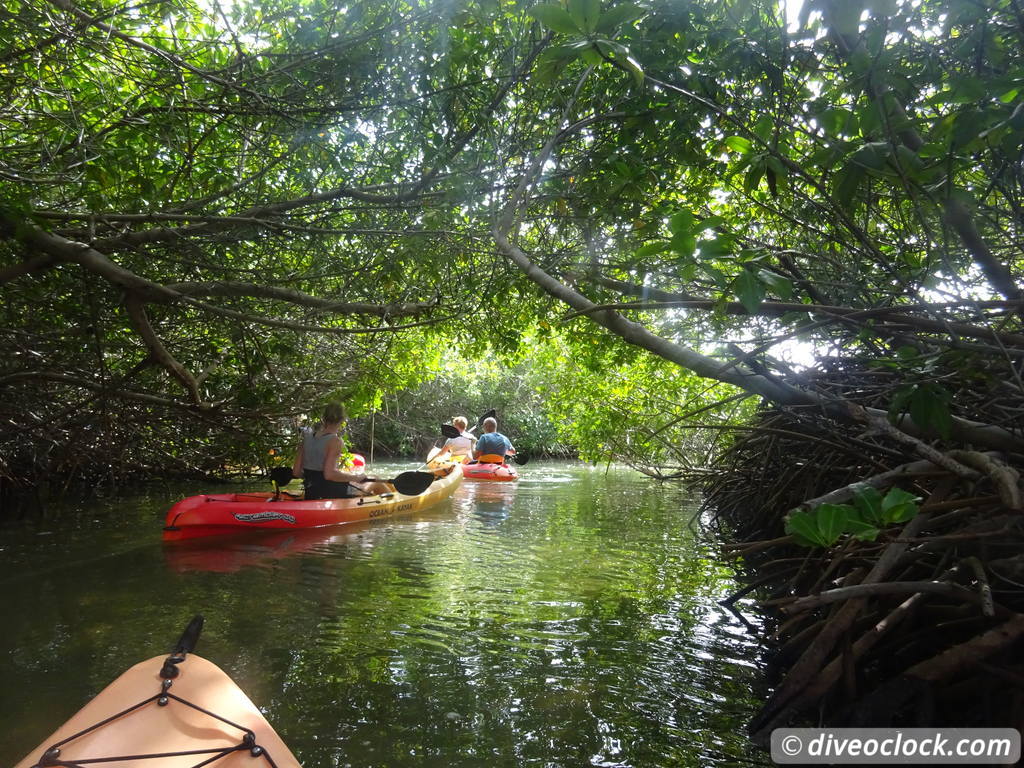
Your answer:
<point x="230" y="513"/>
<point x="490" y="467"/>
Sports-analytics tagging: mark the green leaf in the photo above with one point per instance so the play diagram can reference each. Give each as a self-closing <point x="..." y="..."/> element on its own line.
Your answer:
<point x="900" y="401"/>
<point x="869" y="119"/>
<point x="681" y="222"/>
<point x="779" y="285"/>
<point x="908" y="159"/>
<point x="683" y="243"/>
<point x="551" y="63"/>
<point x="899" y="506"/>
<point x="764" y="127"/>
<point x="555" y="18"/>
<point x="585" y="14"/>
<point x="716" y="248"/>
<point x="720" y="278"/>
<point x="832" y="521"/>
<point x="965" y="90"/>
<point x="749" y="290"/>
<point x="821" y="527"/>
<point x="609" y="47"/>
<point x="651" y="249"/>
<point x="610" y="20"/>
<point x="836" y="121"/>
<point x="738" y="144"/>
<point x="929" y="408"/>
<point x="966" y="127"/>
<point x="846" y="183"/>
<point x="753" y="178"/>
<point x="868" y="503"/>
<point x="873" y="155"/>
<point x="635" y="69"/>
<point x="861" y="529"/>
<point x="803" y="527"/>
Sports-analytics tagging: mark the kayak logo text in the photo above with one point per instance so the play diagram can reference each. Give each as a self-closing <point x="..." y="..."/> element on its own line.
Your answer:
<point x="260" y="517"/>
<point x="384" y="510"/>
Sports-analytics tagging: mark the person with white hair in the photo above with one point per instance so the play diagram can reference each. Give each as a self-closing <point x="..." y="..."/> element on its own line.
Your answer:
<point x="492" y="443"/>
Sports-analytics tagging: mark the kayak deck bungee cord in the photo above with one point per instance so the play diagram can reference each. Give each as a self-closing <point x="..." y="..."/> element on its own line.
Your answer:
<point x="191" y="714"/>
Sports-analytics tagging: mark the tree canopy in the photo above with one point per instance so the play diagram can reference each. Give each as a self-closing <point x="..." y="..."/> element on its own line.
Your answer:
<point x="215" y="214"/>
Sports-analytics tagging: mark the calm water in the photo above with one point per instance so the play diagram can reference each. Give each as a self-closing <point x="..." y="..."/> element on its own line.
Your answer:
<point x="567" y="620"/>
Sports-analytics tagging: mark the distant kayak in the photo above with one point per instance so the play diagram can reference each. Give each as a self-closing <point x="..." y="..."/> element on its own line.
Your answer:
<point x="489" y="470"/>
<point x="167" y="712"/>
<point x="229" y="513"/>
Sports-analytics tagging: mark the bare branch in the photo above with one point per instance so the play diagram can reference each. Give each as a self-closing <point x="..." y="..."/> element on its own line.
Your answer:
<point x="294" y="326"/>
<point x="97" y="386"/>
<point x="301" y="299"/>
<point x="137" y="313"/>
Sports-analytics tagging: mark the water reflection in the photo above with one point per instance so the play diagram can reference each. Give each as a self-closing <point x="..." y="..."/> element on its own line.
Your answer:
<point x="490" y="503"/>
<point x="227" y="554"/>
<point x="568" y="619"/>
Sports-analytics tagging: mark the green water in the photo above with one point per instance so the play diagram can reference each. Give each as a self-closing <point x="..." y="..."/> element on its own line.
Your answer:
<point x="566" y="620"/>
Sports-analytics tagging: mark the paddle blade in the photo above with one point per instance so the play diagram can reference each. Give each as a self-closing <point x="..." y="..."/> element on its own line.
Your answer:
<point x="412" y="483"/>
<point x="489" y="415"/>
<point x="281" y="475"/>
<point x="449" y="431"/>
<point x="520" y="458"/>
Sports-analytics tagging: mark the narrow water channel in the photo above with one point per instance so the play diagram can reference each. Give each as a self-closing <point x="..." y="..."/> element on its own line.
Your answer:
<point x="569" y="619"/>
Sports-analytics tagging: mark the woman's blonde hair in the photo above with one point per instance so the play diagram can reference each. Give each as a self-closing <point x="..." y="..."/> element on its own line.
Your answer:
<point x="334" y="413"/>
<point x="459" y="422"/>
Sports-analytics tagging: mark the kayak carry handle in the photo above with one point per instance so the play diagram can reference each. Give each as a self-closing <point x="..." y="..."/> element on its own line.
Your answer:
<point x="186" y="644"/>
<point x="190" y="636"/>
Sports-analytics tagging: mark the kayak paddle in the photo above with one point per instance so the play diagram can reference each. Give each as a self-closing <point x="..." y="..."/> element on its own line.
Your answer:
<point x="479" y="422"/>
<point x="407" y="483"/>
<point x="280" y="476"/>
<point x="411" y="483"/>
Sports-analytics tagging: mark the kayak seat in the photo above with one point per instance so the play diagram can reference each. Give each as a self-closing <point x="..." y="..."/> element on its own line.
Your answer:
<point x="491" y="458"/>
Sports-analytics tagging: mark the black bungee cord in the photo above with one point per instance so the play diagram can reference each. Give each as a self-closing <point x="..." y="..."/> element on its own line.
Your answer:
<point x="51" y="758"/>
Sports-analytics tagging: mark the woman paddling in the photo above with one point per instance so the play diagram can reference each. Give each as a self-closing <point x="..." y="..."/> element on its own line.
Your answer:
<point x="460" y="448"/>
<point x="316" y="462"/>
